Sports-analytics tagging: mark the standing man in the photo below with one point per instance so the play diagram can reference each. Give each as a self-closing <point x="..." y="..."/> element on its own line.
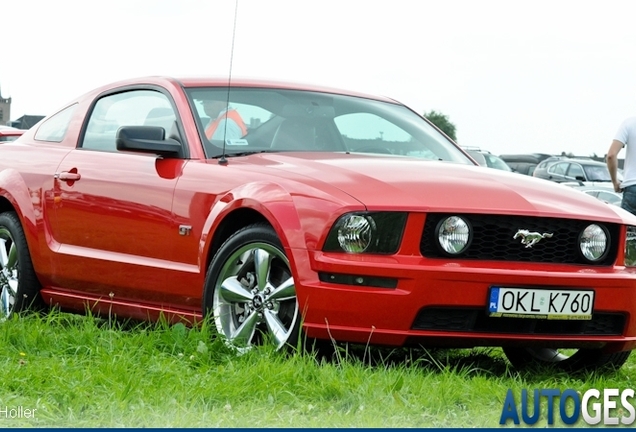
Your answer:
<point x="625" y="137"/>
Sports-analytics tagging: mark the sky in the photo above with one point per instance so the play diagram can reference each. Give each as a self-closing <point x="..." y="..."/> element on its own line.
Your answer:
<point x="513" y="76"/>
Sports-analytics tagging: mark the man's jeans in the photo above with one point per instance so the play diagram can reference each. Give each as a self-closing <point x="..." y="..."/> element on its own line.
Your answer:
<point x="629" y="199"/>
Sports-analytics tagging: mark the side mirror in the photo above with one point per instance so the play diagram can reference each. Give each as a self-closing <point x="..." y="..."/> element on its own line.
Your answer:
<point x="147" y="139"/>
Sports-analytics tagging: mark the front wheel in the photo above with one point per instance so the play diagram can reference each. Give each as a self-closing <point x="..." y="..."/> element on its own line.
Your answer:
<point x="250" y="291"/>
<point x="567" y="360"/>
<point x="19" y="287"/>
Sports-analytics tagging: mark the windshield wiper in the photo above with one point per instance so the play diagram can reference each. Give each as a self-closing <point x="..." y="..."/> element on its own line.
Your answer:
<point x="246" y="153"/>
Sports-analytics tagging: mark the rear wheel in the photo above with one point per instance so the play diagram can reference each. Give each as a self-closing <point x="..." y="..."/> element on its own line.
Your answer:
<point x="567" y="360"/>
<point x="250" y="291"/>
<point x="19" y="287"/>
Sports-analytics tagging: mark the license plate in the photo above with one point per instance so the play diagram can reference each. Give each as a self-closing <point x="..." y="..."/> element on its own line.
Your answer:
<point x="541" y="303"/>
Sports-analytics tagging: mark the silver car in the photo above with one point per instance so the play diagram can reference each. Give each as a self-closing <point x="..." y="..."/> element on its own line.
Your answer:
<point x="583" y="171"/>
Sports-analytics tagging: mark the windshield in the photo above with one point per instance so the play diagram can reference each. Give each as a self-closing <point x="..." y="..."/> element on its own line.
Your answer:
<point x="257" y="120"/>
<point x="598" y="173"/>
<point x="496" y="162"/>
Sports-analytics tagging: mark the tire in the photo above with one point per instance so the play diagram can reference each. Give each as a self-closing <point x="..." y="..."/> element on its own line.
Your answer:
<point x="19" y="286"/>
<point x="251" y="307"/>
<point x="578" y="360"/>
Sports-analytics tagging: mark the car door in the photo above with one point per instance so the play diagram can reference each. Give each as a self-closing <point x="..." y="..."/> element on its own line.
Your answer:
<point x="575" y="172"/>
<point x="113" y="218"/>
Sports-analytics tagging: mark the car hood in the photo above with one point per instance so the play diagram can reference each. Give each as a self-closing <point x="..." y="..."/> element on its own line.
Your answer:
<point x="392" y="183"/>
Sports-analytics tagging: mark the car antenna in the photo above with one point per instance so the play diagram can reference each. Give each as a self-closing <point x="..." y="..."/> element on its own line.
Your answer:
<point x="222" y="159"/>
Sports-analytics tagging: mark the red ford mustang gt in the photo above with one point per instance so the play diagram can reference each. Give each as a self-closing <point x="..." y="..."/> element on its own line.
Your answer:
<point x="284" y="211"/>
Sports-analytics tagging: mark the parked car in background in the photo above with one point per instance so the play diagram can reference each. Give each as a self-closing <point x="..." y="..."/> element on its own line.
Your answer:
<point x="8" y="133"/>
<point x="486" y="158"/>
<point x="586" y="171"/>
<point x="605" y="194"/>
<point x="329" y="215"/>
<point x="524" y="163"/>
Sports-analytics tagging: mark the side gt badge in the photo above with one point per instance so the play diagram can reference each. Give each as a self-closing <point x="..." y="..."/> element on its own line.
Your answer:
<point x="530" y="238"/>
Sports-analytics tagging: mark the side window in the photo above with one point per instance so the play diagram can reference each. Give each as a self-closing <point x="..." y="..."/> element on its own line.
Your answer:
<point x="575" y="171"/>
<point x="54" y="128"/>
<point x="558" y="168"/>
<point x="367" y="132"/>
<point x="131" y="108"/>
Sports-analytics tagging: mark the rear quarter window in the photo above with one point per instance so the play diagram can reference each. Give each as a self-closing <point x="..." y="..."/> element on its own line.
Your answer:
<point x="54" y="128"/>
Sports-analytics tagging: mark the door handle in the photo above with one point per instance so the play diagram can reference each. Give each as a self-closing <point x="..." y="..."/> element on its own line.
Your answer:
<point x="68" y="176"/>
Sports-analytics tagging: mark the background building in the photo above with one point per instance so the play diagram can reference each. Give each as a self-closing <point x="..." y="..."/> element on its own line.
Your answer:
<point x="24" y="122"/>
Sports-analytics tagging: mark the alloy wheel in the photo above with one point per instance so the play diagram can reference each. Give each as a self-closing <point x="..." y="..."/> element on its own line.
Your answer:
<point x="8" y="273"/>
<point x="255" y="297"/>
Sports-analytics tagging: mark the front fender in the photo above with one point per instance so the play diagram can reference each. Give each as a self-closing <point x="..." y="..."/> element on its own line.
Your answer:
<point x="267" y="199"/>
<point x="300" y="219"/>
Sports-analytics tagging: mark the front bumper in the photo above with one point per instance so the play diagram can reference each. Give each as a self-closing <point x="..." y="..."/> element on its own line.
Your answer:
<point x="394" y="316"/>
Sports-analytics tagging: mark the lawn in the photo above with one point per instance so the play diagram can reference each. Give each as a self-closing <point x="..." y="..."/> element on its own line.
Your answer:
<point x="67" y="370"/>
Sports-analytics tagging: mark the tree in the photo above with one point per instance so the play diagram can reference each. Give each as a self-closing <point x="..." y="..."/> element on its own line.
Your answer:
<point x="441" y="121"/>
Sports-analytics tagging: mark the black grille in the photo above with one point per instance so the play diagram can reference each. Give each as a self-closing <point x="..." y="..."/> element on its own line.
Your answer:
<point x="477" y="320"/>
<point x="493" y="239"/>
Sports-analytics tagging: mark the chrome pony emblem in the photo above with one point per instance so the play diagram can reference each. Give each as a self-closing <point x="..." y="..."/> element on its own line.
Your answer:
<point x="530" y="238"/>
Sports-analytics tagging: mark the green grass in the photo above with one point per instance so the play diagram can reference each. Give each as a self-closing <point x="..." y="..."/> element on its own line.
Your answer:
<point x="83" y="372"/>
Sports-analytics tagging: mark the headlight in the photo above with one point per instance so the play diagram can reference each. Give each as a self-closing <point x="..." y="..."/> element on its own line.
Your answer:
<point x="355" y="233"/>
<point x="630" y="247"/>
<point x="366" y="232"/>
<point x="593" y="243"/>
<point x="454" y="235"/>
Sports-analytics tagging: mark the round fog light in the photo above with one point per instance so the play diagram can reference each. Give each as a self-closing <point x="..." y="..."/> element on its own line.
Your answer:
<point x="453" y="234"/>
<point x="593" y="242"/>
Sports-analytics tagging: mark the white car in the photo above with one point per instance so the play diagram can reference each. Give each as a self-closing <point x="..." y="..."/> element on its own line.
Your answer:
<point x="604" y="193"/>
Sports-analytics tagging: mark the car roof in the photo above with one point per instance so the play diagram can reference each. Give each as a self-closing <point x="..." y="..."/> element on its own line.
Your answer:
<point x="528" y="158"/>
<point x="212" y="81"/>
<point x="579" y="160"/>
